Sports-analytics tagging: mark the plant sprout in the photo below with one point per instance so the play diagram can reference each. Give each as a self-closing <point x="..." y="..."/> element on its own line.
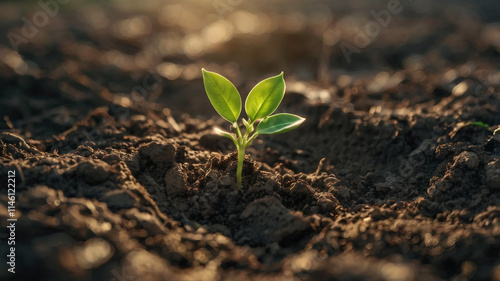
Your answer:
<point x="261" y="102"/>
<point x="478" y="123"/>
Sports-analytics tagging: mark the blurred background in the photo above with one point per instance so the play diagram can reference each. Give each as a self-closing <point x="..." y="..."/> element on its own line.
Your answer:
<point x="59" y="60"/>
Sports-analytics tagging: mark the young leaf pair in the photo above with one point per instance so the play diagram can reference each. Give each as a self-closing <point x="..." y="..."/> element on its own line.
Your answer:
<point x="261" y="102"/>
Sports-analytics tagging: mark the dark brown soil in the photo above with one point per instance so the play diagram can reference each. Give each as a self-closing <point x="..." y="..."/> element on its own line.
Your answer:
<point x="386" y="180"/>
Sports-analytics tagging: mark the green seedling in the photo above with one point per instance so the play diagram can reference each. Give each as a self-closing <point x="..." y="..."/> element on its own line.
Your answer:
<point x="478" y="123"/>
<point x="261" y="102"/>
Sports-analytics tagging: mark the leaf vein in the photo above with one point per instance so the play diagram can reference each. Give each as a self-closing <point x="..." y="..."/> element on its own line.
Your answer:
<point x="267" y="97"/>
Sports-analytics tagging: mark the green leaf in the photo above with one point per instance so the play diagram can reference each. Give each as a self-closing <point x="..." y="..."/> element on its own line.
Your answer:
<point x="478" y="123"/>
<point x="265" y="97"/>
<point x="279" y="123"/>
<point x="226" y="134"/>
<point x="223" y="95"/>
